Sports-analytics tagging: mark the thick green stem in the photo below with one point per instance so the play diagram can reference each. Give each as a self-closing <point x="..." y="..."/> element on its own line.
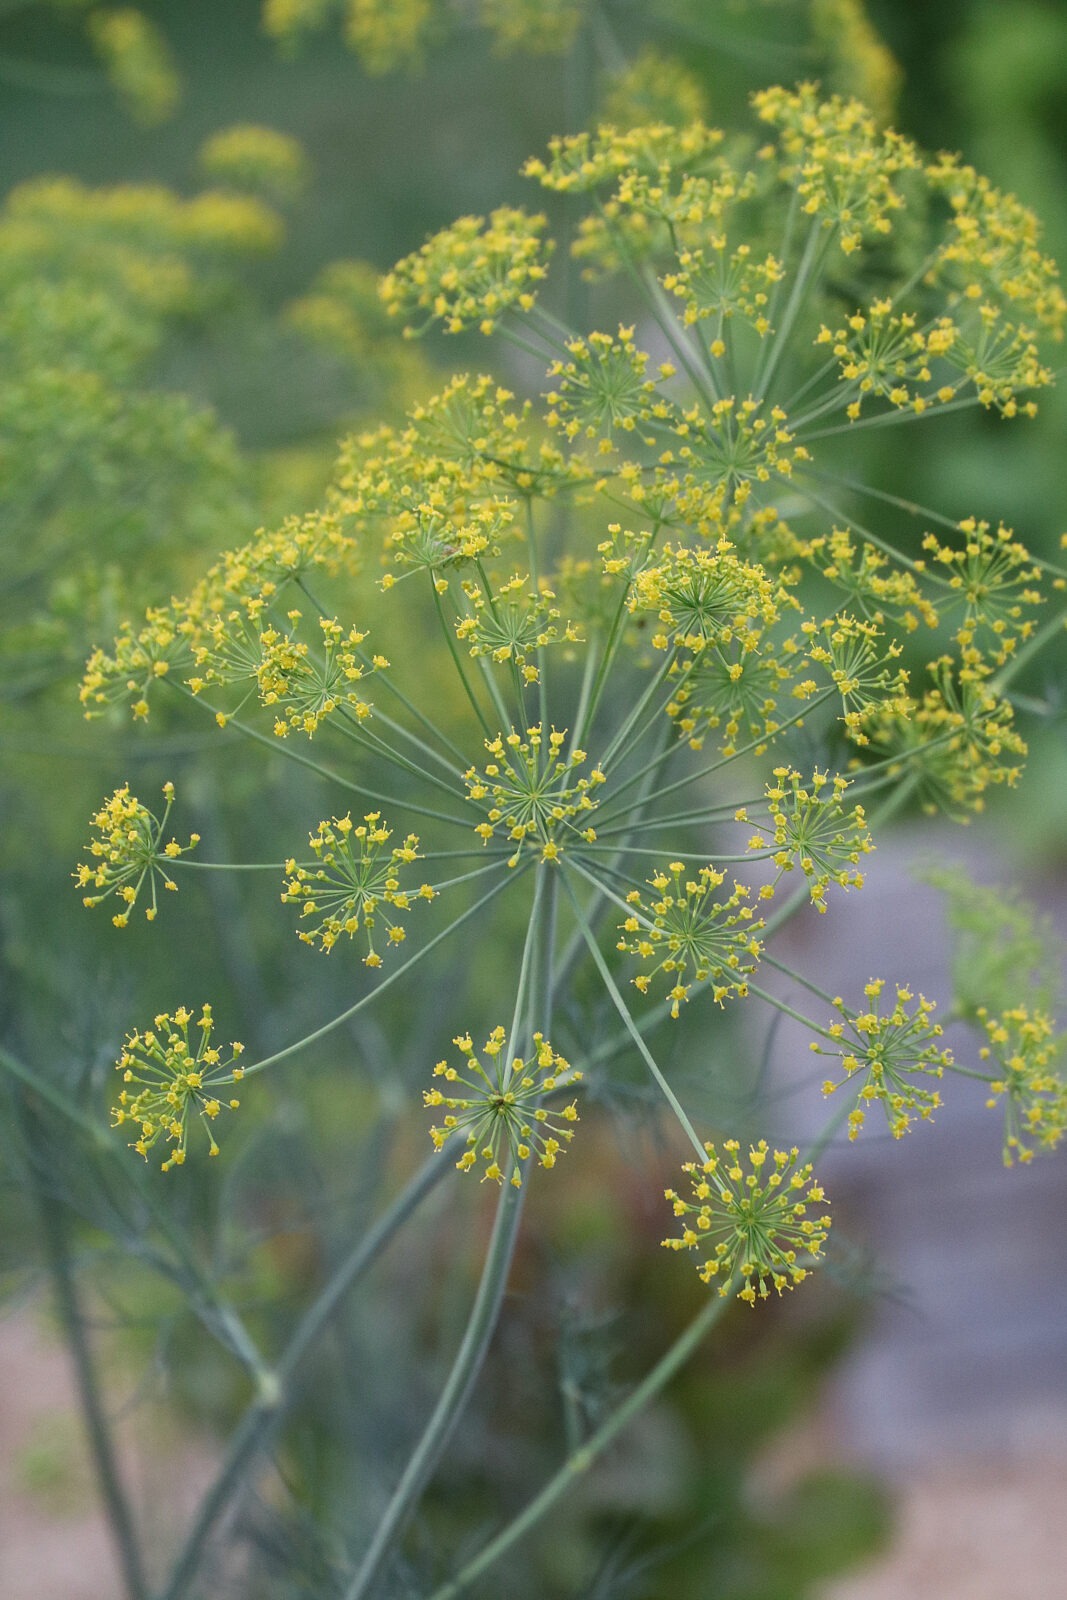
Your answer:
<point x="482" y="1321"/>
<point x="263" y="1417"/>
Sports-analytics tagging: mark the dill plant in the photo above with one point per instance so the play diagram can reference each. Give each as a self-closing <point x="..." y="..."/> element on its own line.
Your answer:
<point x="659" y="587"/>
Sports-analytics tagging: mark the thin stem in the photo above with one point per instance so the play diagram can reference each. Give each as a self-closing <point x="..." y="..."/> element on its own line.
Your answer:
<point x="458" y="664"/>
<point x="380" y="988"/>
<point x="282" y="747"/>
<point x="624" y="1011"/>
<point x="264" y="1415"/>
<point x="579" y="1463"/>
<point x="479" y="1330"/>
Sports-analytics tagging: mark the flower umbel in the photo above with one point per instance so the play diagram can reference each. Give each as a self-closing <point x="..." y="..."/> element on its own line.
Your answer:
<point x="500" y="1106"/>
<point x="129" y="848"/>
<point x="1023" y="1047"/>
<point x="169" y="1083"/>
<point x="528" y="787"/>
<point x="893" y="1051"/>
<point x="751" y="1223"/>
<point x="355" y="882"/>
<point x="696" y="936"/>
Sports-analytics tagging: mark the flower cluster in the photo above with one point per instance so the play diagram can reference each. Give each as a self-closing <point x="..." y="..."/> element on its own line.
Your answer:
<point x="1022" y="1046"/>
<point x="469" y="274"/>
<point x="753" y="1223"/>
<point x="127" y="851"/>
<point x="697" y="937"/>
<point x="813" y="830"/>
<point x="512" y="624"/>
<point x="255" y="160"/>
<point x="354" y="882"/>
<point x="889" y="1054"/>
<point x="500" y="1106"/>
<point x="168" y="1083"/>
<point x="528" y="790"/>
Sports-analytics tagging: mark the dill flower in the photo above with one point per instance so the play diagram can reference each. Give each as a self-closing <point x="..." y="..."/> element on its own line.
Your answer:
<point x="500" y="1106"/>
<point x="603" y="387"/>
<point x="258" y="160"/>
<point x="469" y="274"/>
<point x="697" y="937"/>
<point x="813" y="830"/>
<point x="389" y="34"/>
<point x="169" y="1084"/>
<point x="540" y="27"/>
<point x="512" y="624"/>
<point x="128" y="850"/>
<point x="138" y="62"/>
<point x="527" y="790"/>
<point x="755" y="1223"/>
<point x="994" y="580"/>
<point x="889" y="1054"/>
<point x="355" y="882"/>
<point x="1021" y="1044"/>
<point x="654" y="88"/>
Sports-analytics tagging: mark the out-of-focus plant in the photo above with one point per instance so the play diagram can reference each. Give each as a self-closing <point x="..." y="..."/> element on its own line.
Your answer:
<point x="693" y="656"/>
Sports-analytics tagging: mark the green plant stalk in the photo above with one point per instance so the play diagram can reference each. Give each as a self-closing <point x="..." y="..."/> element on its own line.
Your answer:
<point x="624" y="1012"/>
<point x="579" y="1463"/>
<point x="267" y="1410"/>
<point x="379" y="988"/>
<point x="481" y="1324"/>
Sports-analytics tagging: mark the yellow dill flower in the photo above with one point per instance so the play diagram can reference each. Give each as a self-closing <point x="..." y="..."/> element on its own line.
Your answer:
<point x="355" y="883"/>
<point x="500" y="1106"/>
<point x="603" y="387"/>
<point x="860" y="62"/>
<point x="956" y="742"/>
<point x="287" y="20"/>
<point x="869" y="580"/>
<point x="529" y="791"/>
<point x="256" y="160"/>
<point x="654" y="88"/>
<point x="511" y="624"/>
<point x="813" y="830"/>
<point x="993" y="578"/>
<point x="306" y="689"/>
<point x="168" y="1083"/>
<point x="860" y="666"/>
<point x="138" y="62"/>
<point x="696" y="937"/>
<point x="389" y="34"/>
<point x="755" y="1223"/>
<point x="128" y="850"/>
<point x="468" y="275"/>
<point x="702" y="598"/>
<point x="889" y="1053"/>
<point x="538" y="27"/>
<point x="1022" y="1046"/>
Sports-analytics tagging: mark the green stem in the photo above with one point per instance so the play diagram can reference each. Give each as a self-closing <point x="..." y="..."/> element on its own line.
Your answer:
<point x="265" y="1414"/>
<point x="481" y="1324"/>
<point x="579" y="1463"/>
<point x="380" y="988"/>
<point x="458" y="664"/>
<point x="465" y="1369"/>
<point x="624" y="1012"/>
<point x="282" y="747"/>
